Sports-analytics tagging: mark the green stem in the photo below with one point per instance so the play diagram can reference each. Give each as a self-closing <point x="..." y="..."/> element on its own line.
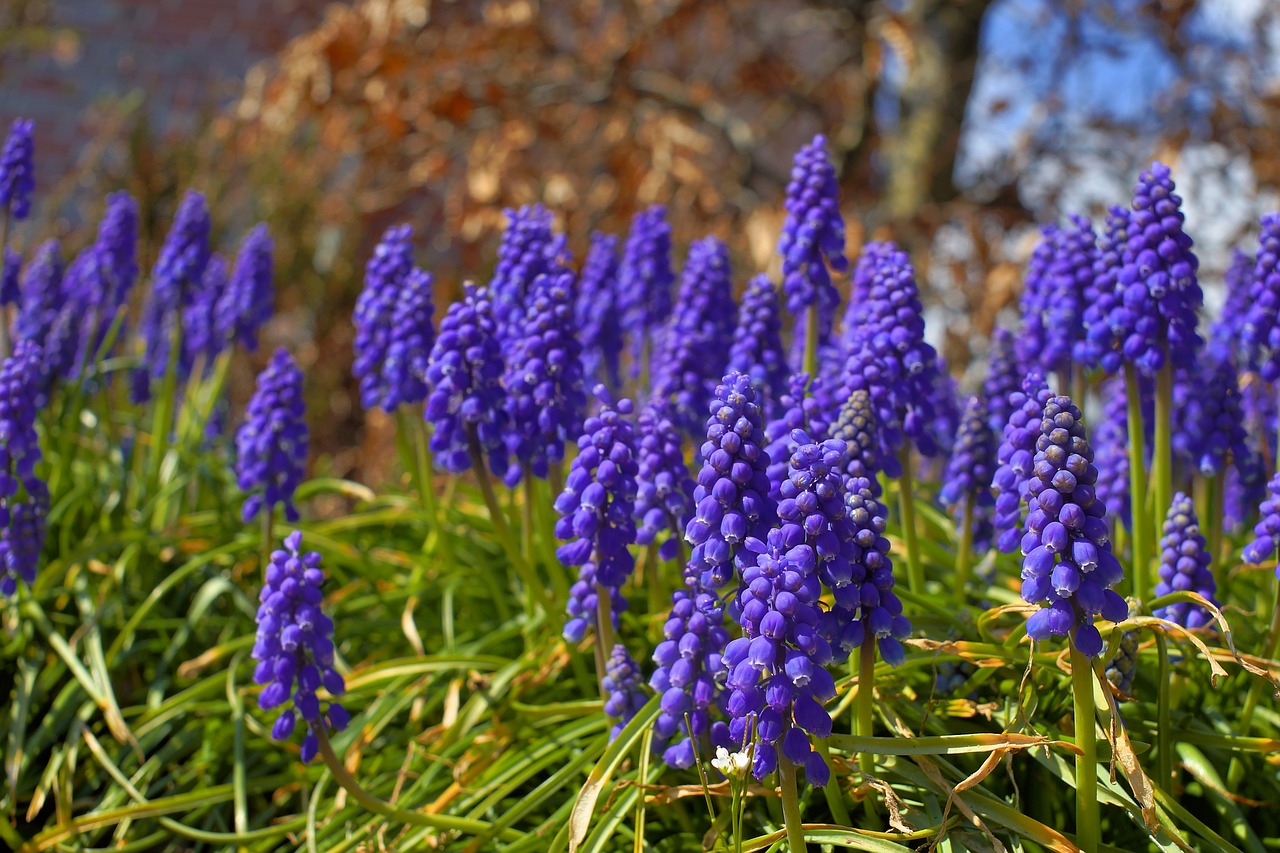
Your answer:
<point x="1236" y="772"/>
<point x="604" y="633"/>
<point x="1138" y="486"/>
<point x="435" y="821"/>
<point x="790" y="804"/>
<point x="835" y="797"/>
<point x="810" y="365"/>
<point x="526" y="514"/>
<point x="907" y="508"/>
<point x="866" y="701"/>
<point x="1079" y="384"/>
<point x="1164" y="715"/>
<point x="266" y="546"/>
<point x="1087" y="834"/>
<point x="498" y="520"/>
<point x="1162" y="461"/>
<point x="964" y="550"/>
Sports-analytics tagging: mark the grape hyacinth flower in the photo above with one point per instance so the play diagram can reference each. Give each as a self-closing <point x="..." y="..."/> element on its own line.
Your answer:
<point x="798" y="410"/>
<point x="597" y="516"/>
<point x="1067" y="560"/>
<point x="545" y="400"/>
<point x="1015" y="457"/>
<point x="464" y="393"/>
<point x="17" y="170"/>
<point x="1210" y="417"/>
<point x="731" y="498"/>
<point x="42" y="294"/>
<point x="1227" y="332"/>
<point x="664" y="487"/>
<point x="404" y="370"/>
<point x="697" y="336"/>
<point x="1266" y="532"/>
<point x="757" y="342"/>
<point x="812" y="238"/>
<point x="688" y="660"/>
<point x="597" y="312"/>
<point x="24" y="498"/>
<point x="1111" y="451"/>
<point x="855" y="426"/>
<point x="1106" y="317"/>
<point x="1184" y="565"/>
<point x="966" y="483"/>
<point x="1123" y="666"/>
<point x="294" y="647"/>
<point x="174" y="283"/>
<point x="1053" y="297"/>
<point x="1004" y="377"/>
<point x="384" y="275"/>
<point x="945" y="402"/>
<point x="528" y="250"/>
<point x="200" y="338"/>
<point x="644" y="281"/>
<point x="621" y="682"/>
<point x="1260" y="333"/>
<point x="246" y="302"/>
<point x="272" y="443"/>
<point x="864" y="272"/>
<point x="878" y="379"/>
<point x="776" y="671"/>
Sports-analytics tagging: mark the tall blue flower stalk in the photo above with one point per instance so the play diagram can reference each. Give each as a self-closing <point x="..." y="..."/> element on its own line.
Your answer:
<point x="545" y="400"/>
<point x="757" y="341"/>
<point x="246" y="303"/>
<point x="17" y="183"/>
<point x="272" y="443"/>
<point x="201" y="342"/>
<point x="529" y="249"/>
<point x="966" y="487"/>
<point x="731" y="504"/>
<point x="1185" y="565"/>
<point x="797" y="410"/>
<point x="1015" y="456"/>
<point x="24" y="498"/>
<point x="855" y="426"/>
<point x="811" y="245"/>
<point x="1003" y="377"/>
<point x="597" y="520"/>
<point x="175" y="282"/>
<point x="1260" y="334"/>
<point x="645" y="279"/>
<point x="1227" y="331"/>
<point x="101" y="279"/>
<point x="1053" y="297"/>
<point x="697" y="336"/>
<point x="409" y="341"/>
<point x="664" y="486"/>
<point x="1110" y="443"/>
<point x="597" y="312"/>
<point x="294" y="648"/>
<point x="42" y="294"/>
<point x="384" y="275"/>
<point x="622" y="688"/>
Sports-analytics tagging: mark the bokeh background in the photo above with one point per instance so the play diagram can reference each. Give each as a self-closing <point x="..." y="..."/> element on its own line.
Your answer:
<point x="957" y="127"/>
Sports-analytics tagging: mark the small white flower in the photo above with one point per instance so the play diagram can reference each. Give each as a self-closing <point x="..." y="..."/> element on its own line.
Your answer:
<point x="734" y="765"/>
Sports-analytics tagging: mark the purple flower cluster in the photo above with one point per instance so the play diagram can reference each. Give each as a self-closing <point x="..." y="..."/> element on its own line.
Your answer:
<point x="621" y="683"/>
<point x="798" y="409"/>
<point x="1004" y="377"/>
<point x="42" y="294"/>
<point x="294" y="647"/>
<point x="731" y="498"/>
<point x="528" y="249"/>
<point x="464" y="390"/>
<point x="1014" y="459"/>
<point x="404" y="371"/>
<point x="1209" y="423"/>
<point x="272" y="443"/>
<point x="645" y="279"/>
<point x="891" y="330"/>
<point x="174" y="284"/>
<point x="1227" y="331"/>
<point x="1067" y="560"/>
<point x="384" y="275"/>
<point x="1158" y="278"/>
<point x="813" y="233"/>
<point x="855" y="426"/>
<point x="99" y="280"/>
<point x="1111" y="451"/>
<point x="1266" y="532"/>
<point x="24" y="498"/>
<point x="664" y="487"/>
<point x="597" y="512"/>
<point x="866" y="372"/>
<point x="757" y="342"/>
<point x="10" y="292"/>
<point x="944" y="400"/>
<point x="1107" y="320"/>
<point x="1184" y="565"/>
<point x="970" y="468"/>
<point x="1260" y="334"/>
<point x="597" y="320"/>
<point x="698" y="335"/>
<point x="17" y="170"/>
<point x="545" y="400"/>
<point x="246" y="302"/>
<point x="689" y="658"/>
<point x="200" y="338"/>
<point x="1053" y="298"/>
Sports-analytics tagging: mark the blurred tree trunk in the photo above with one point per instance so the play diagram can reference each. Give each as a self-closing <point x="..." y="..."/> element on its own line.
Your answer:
<point x="937" y="41"/>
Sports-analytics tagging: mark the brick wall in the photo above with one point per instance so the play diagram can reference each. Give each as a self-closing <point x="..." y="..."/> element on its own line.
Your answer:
<point x="185" y="55"/>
